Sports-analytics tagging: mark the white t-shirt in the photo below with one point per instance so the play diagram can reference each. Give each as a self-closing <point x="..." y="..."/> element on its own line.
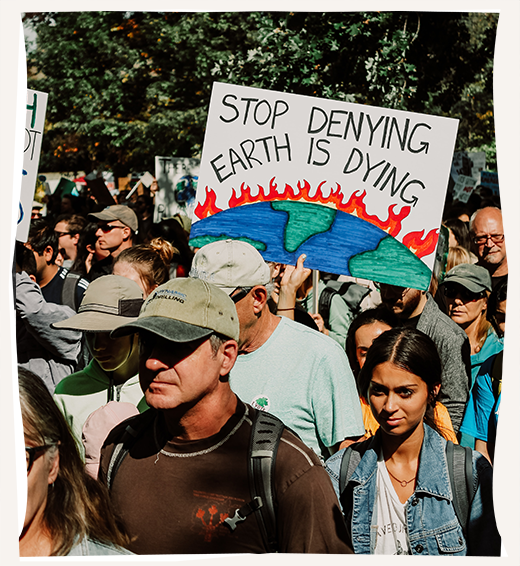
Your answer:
<point x="392" y="537"/>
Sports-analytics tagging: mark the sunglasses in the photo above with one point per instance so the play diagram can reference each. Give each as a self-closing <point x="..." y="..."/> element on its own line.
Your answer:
<point x="108" y="228"/>
<point x="454" y="291"/>
<point x="33" y="452"/>
<point x="241" y="294"/>
<point x="60" y="234"/>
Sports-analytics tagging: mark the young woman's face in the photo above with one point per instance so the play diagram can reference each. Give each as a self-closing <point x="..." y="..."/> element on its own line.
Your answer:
<point x="398" y="399"/>
<point x="43" y="472"/>
<point x="364" y="337"/>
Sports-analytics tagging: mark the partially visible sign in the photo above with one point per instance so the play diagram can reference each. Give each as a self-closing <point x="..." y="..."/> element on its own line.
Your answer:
<point x="34" y="124"/>
<point x="177" y="178"/>
<point x="490" y="179"/>
<point x="463" y="188"/>
<point x="468" y="163"/>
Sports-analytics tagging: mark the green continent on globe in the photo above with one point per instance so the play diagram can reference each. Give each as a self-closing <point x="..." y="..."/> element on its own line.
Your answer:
<point x="200" y="241"/>
<point x="392" y="263"/>
<point x="305" y="220"/>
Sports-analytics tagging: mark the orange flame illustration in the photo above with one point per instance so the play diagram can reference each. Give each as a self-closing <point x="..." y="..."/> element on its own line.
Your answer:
<point x="354" y="206"/>
<point x="420" y="246"/>
<point x="209" y="207"/>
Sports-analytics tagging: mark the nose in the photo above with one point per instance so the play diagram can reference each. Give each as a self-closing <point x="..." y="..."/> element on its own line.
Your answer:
<point x="391" y="405"/>
<point x="98" y="345"/>
<point x="154" y="363"/>
<point x="99" y="232"/>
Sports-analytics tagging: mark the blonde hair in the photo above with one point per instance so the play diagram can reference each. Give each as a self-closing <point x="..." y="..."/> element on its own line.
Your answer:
<point x="457" y="255"/>
<point x="484" y="325"/>
<point x="151" y="261"/>
<point x="78" y="506"/>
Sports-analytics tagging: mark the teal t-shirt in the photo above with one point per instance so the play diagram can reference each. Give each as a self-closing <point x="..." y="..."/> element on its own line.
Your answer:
<point x="304" y="378"/>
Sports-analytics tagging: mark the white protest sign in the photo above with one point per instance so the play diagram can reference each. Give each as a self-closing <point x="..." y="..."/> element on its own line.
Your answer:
<point x="388" y="167"/>
<point x="177" y="179"/>
<point x="463" y="188"/>
<point x="34" y="124"/>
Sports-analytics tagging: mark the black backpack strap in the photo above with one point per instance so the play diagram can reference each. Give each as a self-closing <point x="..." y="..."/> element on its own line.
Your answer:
<point x="324" y="303"/>
<point x="265" y="439"/>
<point x="68" y="291"/>
<point x="460" y="470"/>
<point x="350" y="461"/>
<point x="351" y="293"/>
<point x="496" y="375"/>
<point x="128" y="439"/>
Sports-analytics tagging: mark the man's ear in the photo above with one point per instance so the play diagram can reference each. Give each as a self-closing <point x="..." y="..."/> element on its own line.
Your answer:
<point x="75" y="239"/>
<point x="228" y="351"/>
<point x="259" y="294"/>
<point x="127" y="233"/>
<point x="47" y="254"/>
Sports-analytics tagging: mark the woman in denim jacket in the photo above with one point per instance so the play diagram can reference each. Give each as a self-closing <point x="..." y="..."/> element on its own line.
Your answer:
<point x="399" y="499"/>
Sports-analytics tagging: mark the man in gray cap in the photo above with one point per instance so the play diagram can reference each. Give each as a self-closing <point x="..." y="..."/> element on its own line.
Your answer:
<point x="117" y="227"/>
<point x="180" y="474"/>
<point x="284" y="368"/>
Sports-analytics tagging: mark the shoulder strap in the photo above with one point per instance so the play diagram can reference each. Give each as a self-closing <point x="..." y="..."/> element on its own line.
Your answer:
<point x="324" y="303"/>
<point x="351" y="293"/>
<point x="350" y="461"/>
<point x="68" y="291"/>
<point x="460" y="470"/>
<point x="265" y="439"/>
<point x="128" y="439"/>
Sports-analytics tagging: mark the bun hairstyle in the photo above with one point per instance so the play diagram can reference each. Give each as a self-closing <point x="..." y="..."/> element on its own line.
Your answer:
<point x="151" y="261"/>
<point x="408" y="349"/>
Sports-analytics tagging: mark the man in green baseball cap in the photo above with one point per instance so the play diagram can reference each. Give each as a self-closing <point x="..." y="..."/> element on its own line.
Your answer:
<point x="181" y="474"/>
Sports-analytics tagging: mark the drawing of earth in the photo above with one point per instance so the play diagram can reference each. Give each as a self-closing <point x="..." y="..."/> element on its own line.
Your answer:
<point x="334" y="241"/>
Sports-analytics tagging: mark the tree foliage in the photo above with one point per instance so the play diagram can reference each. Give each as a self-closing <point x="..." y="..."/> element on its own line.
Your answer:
<point x="124" y="87"/>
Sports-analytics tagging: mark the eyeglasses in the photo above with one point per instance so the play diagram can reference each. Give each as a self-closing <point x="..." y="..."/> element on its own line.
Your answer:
<point x="60" y="234"/>
<point x="32" y="452"/>
<point x="495" y="238"/>
<point x="466" y="296"/>
<point x="241" y="294"/>
<point x="108" y="227"/>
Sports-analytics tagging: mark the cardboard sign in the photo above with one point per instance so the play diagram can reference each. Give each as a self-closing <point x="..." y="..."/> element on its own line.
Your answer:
<point x="463" y="188"/>
<point x="359" y="189"/>
<point x="34" y="124"/>
<point x="490" y="179"/>
<point x="177" y="178"/>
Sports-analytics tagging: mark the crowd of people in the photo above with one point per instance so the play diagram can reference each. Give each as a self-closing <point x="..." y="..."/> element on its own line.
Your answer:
<point x="179" y="400"/>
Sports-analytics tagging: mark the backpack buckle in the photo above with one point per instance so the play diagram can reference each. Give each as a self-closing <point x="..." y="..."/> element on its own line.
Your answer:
<point x="242" y="513"/>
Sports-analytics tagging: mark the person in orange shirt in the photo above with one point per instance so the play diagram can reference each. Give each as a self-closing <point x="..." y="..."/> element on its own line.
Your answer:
<point x="364" y="329"/>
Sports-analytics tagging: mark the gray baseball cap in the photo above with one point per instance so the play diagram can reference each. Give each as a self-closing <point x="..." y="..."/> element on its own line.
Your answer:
<point x="185" y="309"/>
<point x="118" y="212"/>
<point x="473" y="277"/>
<point x="109" y="302"/>
<point x="229" y="264"/>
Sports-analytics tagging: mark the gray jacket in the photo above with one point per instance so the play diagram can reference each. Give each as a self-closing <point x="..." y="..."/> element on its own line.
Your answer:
<point x="454" y="349"/>
<point x="50" y="353"/>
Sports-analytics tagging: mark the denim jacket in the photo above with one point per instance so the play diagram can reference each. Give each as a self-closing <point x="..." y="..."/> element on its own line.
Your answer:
<point x="432" y="525"/>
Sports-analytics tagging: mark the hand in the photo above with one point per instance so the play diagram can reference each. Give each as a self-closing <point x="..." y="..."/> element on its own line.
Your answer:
<point x="294" y="276"/>
<point x="320" y="323"/>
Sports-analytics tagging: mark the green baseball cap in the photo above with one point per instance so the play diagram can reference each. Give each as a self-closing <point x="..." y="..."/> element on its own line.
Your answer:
<point x="183" y="310"/>
<point x="473" y="277"/>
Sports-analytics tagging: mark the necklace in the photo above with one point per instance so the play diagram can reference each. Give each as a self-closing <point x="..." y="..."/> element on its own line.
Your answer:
<point x="402" y="482"/>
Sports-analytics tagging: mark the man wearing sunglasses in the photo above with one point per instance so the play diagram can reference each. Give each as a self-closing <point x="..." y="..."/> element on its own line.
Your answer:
<point x="117" y="228"/>
<point x="418" y="309"/>
<point x="285" y="368"/>
<point x="487" y="237"/>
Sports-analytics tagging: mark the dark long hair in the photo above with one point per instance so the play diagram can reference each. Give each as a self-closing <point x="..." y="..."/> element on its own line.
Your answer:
<point x="77" y="506"/>
<point x="378" y="314"/>
<point x="408" y="349"/>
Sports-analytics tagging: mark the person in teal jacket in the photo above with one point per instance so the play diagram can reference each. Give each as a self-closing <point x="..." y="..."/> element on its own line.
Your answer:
<point x="112" y="375"/>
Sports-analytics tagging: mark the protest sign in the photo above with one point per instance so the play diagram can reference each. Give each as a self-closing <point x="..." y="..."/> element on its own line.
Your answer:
<point x="463" y="188"/>
<point x="99" y="190"/>
<point x="177" y="178"/>
<point x="34" y="124"/>
<point x="359" y="189"/>
<point x="490" y="179"/>
<point x="468" y="163"/>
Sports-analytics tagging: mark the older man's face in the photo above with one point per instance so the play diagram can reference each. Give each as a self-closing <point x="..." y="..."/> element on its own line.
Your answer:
<point x="488" y="237"/>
